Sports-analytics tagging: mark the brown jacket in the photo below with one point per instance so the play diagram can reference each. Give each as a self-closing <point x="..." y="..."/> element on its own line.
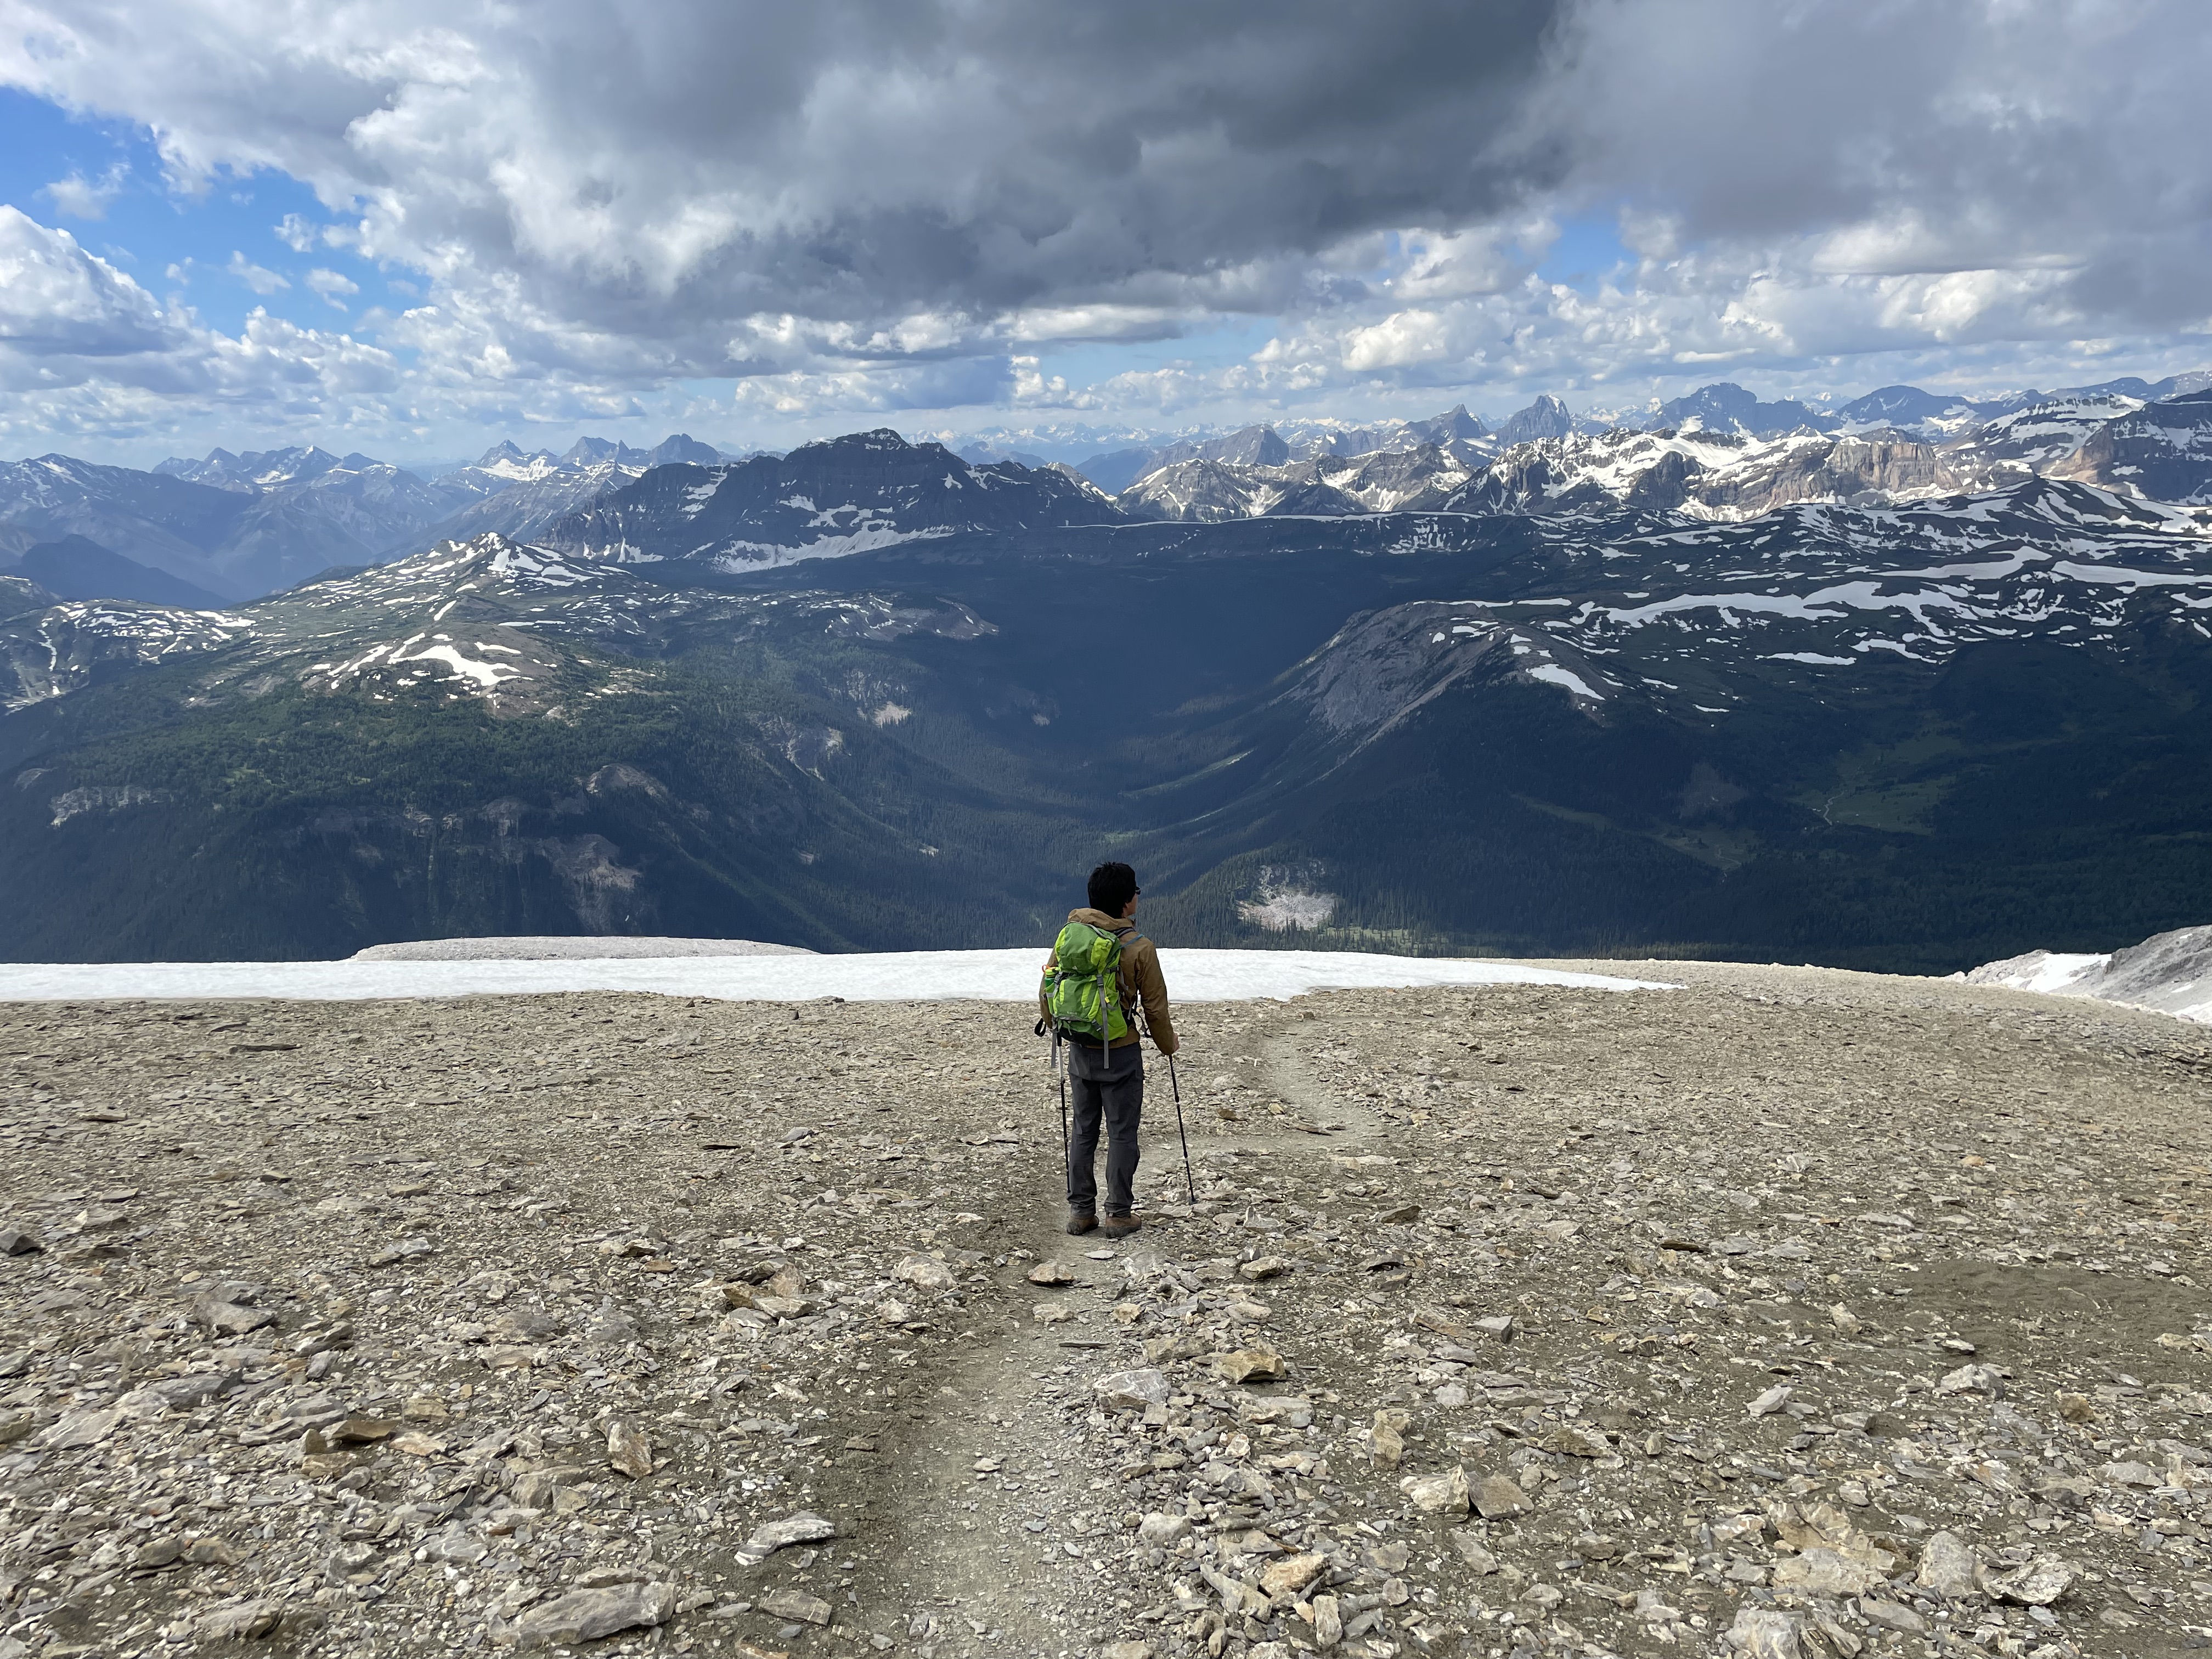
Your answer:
<point x="1141" y="984"/>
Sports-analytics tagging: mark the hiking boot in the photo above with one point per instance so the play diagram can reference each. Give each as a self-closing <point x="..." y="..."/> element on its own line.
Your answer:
<point x="1121" y="1226"/>
<point x="1082" y="1221"/>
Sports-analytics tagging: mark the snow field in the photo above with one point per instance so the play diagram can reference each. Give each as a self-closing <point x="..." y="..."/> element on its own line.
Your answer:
<point x="889" y="976"/>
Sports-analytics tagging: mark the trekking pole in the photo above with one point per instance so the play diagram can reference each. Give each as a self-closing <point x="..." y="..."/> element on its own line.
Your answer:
<point x="1067" y="1152"/>
<point x="1189" y="1185"/>
<point x="1067" y="1148"/>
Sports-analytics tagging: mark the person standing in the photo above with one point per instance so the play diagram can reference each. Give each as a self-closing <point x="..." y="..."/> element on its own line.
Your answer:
<point x="1102" y="972"/>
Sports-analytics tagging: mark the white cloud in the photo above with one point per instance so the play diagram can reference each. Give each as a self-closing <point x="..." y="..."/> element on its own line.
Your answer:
<point x="299" y="232"/>
<point x="332" y="285"/>
<point x="260" y="279"/>
<point x="58" y="302"/>
<point x="79" y="197"/>
<point x="85" y="350"/>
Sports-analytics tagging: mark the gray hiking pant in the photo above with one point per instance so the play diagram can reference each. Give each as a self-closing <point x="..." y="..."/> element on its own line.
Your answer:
<point x="1106" y="1087"/>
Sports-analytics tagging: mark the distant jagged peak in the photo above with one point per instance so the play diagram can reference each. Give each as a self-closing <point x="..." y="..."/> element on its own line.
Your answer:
<point x="681" y="446"/>
<point x="594" y="451"/>
<point x="1454" y="423"/>
<point x="1548" y="418"/>
<point x="875" y="440"/>
<point x="859" y="492"/>
<point x="1728" y="407"/>
<point x="1073" y="480"/>
<point x="262" y="469"/>
<point x="1346" y="440"/>
<point x="588" y="453"/>
<point x="181" y="467"/>
<point x="984" y="453"/>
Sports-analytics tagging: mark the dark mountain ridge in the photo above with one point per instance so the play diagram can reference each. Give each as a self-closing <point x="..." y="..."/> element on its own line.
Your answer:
<point x="848" y="494"/>
<point x="75" y="568"/>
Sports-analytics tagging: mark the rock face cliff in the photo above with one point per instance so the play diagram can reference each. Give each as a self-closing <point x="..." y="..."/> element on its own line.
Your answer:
<point x="2163" y="450"/>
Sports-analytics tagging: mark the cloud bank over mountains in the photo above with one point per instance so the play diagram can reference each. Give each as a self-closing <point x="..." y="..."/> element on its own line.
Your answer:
<point x="770" y="218"/>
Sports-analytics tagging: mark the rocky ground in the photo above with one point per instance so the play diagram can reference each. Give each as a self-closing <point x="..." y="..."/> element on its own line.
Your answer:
<point x="1789" y="1313"/>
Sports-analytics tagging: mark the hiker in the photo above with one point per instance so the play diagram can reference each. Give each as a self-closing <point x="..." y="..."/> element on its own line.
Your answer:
<point x="1101" y="972"/>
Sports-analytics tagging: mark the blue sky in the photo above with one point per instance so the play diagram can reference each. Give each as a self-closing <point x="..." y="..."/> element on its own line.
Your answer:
<point x="213" y="246"/>
<point x="716" y="221"/>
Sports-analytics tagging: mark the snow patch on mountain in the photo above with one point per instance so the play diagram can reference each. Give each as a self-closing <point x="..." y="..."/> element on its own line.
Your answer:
<point x="2168" y="973"/>
<point x="70" y="644"/>
<point x="872" y="537"/>
<point x="1551" y="674"/>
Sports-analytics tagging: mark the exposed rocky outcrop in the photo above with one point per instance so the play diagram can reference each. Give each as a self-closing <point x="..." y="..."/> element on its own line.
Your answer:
<point x="2169" y="972"/>
<point x="2163" y="450"/>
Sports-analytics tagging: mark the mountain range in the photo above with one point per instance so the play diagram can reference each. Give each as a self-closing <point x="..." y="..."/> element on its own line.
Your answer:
<point x="239" y="525"/>
<point x="1721" y="452"/>
<point x="1904" y="684"/>
<point x="235" y="526"/>
<point x="868" y="694"/>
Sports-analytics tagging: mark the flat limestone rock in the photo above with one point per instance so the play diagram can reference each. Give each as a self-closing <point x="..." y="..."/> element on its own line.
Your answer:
<point x="2042" y="1581"/>
<point x="1251" y="1366"/>
<point x="1892" y="1615"/>
<point x="1761" y="1633"/>
<point x="629" y="1450"/>
<point x="1131" y="1391"/>
<point x="79" y="1428"/>
<point x="1438" y="1494"/>
<point x="585" y="1615"/>
<point x="1823" y="1571"/>
<point x="802" y="1527"/>
<point x="237" y="1622"/>
<point x="925" y="1272"/>
<point x="1163" y="1529"/>
<point x="1498" y="1499"/>
<point x="1472" y="1551"/>
<point x="1292" y="1573"/>
<point x="1292" y="1410"/>
<point x="790" y="1602"/>
<point x="1947" y="1565"/>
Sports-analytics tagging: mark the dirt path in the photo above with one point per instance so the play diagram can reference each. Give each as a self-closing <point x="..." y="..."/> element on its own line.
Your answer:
<point x="1010" y="1554"/>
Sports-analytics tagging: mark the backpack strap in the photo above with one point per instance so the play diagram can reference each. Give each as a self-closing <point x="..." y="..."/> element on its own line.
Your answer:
<point x="1133" y="1015"/>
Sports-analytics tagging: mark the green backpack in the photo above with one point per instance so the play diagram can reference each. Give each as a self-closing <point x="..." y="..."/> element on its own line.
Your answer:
<point x="1082" y="986"/>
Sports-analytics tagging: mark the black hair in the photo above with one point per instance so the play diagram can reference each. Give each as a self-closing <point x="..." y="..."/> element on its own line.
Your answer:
<point x="1112" y="887"/>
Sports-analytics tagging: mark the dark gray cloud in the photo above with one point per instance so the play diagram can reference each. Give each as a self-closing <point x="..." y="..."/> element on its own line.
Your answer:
<point x="1919" y="139"/>
<point x="872" y="205"/>
<point x="650" y="166"/>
